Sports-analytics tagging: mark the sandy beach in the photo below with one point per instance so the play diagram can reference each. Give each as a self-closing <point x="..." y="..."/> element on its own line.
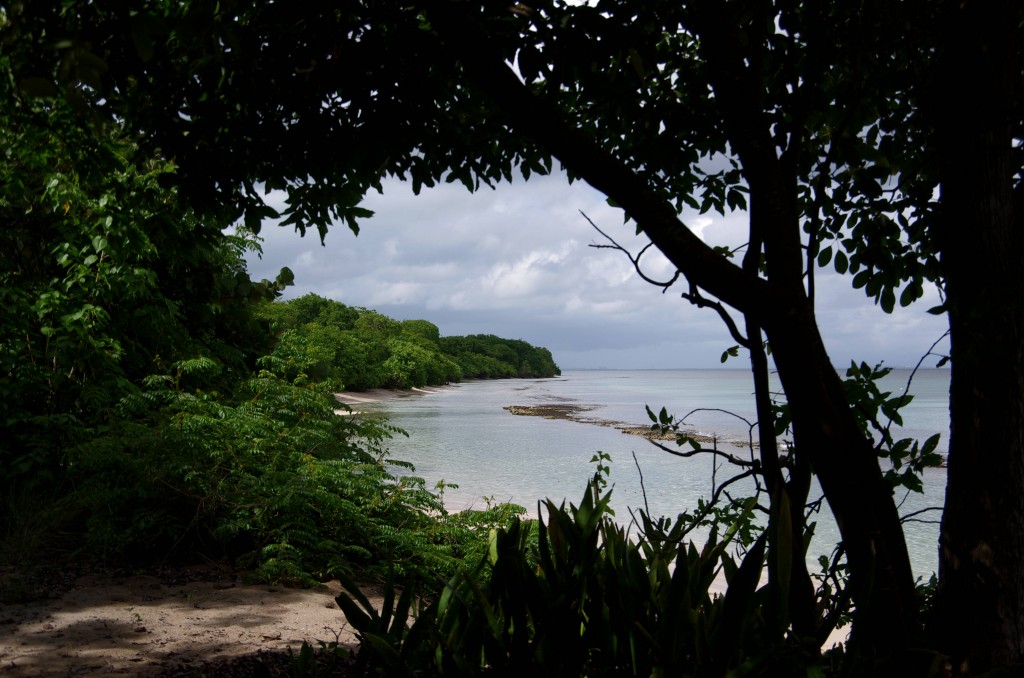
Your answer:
<point x="356" y="399"/>
<point x="187" y="621"/>
<point x="171" y="623"/>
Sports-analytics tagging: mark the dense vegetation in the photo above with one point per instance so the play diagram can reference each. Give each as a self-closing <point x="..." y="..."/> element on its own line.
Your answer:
<point x="149" y="412"/>
<point x="881" y="139"/>
<point x="575" y="594"/>
<point x="358" y="349"/>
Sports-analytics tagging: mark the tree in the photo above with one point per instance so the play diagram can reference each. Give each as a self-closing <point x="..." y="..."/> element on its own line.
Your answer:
<point x="104" y="274"/>
<point x="812" y="116"/>
<point x="135" y="426"/>
<point x="975" y="106"/>
<point x="358" y="349"/>
<point x="421" y="329"/>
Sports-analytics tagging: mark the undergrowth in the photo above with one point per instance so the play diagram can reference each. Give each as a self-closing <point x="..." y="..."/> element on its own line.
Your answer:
<point x="266" y="476"/>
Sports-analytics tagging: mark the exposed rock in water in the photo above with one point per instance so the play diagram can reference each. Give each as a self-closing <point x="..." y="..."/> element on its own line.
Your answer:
<point x="574" y="412"/>
<point x="559" y="411"/>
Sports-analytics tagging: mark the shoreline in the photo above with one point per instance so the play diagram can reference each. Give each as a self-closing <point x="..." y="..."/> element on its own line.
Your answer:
<point x="353" y="399"/>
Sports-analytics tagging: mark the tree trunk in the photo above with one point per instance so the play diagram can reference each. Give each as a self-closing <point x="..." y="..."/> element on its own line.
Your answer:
<point x="847" y="467"/>
<point x="979" y="617"/>
<point x="824" y="428"/>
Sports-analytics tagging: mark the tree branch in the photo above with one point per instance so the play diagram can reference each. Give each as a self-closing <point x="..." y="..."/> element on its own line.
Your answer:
<point x="700" y="301"/>
<point x="633" y="260"/>
<point x="653" y="213"/>
<point x="714" y="451"/>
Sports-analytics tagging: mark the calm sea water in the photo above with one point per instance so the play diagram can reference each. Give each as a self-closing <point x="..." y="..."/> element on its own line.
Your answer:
<point x="464" y="436"/>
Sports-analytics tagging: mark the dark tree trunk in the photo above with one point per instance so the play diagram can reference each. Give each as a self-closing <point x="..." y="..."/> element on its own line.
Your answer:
<point x="979" y="616"/>
<point x="824" y="428"/>
<point x="846" y="466"/>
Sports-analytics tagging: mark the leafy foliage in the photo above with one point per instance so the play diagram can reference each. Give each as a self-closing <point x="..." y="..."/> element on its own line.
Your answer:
<point x="358" y="349"/>
<point x="487" y="356"/>
<point x="144" y="415"/>
<point x="574" y="595"/>
<point x="272" y="475"/>
<point x="876" y="412"/>
<point x="104" y="273"/>
<point x="836" y="120"/>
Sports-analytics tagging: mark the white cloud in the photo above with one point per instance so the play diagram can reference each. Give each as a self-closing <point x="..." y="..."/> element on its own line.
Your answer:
<point x="390" y="249"/>
<point x="699" y="225"/>
<point x="397" y="293"/>
<point x="516" y="261"/>
<point x="536" y="272"/>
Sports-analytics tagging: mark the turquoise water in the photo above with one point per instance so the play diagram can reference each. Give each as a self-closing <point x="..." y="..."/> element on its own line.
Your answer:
<point x="464" y="436"/>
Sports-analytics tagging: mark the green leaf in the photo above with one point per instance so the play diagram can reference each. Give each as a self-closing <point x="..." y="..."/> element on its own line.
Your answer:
<point x="930" y="445"/>
<point x="285" y="277"/>
<point x="909" y="295"/>
<point x="888" y="300"/>
<point x="359" y="620"/>
<point x="825" y="256"/>
<point x="841" y="263"/>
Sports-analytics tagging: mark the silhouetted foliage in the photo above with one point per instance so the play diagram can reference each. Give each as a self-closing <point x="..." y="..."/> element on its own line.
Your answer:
<point x="882" y="139"/>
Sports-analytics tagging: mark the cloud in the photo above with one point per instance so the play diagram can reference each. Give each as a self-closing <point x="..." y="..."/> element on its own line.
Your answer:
<point x="518" y="262"/>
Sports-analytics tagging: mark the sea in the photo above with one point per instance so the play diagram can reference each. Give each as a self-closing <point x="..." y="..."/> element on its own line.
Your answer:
<point x="462" y="439"/>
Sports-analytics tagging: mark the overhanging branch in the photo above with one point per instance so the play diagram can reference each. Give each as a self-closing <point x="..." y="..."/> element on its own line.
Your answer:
<point x="542" y="121"/>
<point x="633" y="260"/>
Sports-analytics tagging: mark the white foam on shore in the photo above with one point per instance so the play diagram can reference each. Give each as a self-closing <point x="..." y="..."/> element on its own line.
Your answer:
<point x="426" y="390"/>
<point x="350" y="399"/>
<point x="381" y="395"/>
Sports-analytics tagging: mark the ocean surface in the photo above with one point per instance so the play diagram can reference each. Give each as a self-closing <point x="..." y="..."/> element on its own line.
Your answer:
<point x="463" y="435"/>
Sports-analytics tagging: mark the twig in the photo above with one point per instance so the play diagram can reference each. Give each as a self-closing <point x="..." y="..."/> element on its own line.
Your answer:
<point x="633" y="260"/>
<point x="693" y="452"/>
<point x="697" y="299"/>
<point x="693" y="296"/>
<point x="913" y="373"/>
<point x="911" y="517"/>
<point x="643" y="490"/>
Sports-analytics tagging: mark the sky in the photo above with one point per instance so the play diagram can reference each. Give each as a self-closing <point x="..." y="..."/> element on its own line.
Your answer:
<point x="518" y="262"/>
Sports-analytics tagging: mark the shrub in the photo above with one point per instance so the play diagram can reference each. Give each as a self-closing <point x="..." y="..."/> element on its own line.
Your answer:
<point x="578" y="597"/>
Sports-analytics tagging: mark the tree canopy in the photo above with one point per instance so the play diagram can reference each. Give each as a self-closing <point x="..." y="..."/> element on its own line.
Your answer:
<point x="357" y="349"/>
<point x="882" y="139"/>
<point x="149" y="414"/>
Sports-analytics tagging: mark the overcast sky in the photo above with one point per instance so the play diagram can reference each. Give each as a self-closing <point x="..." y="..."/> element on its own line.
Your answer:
<point x="517" y="262"/>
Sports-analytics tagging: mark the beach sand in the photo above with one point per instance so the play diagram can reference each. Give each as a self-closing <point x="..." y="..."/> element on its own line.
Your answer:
<point x="170" y="623"/>
<point x="355" y="399"/>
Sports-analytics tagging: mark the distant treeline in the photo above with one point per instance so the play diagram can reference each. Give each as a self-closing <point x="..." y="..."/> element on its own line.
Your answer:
<point x="356" y="348"/>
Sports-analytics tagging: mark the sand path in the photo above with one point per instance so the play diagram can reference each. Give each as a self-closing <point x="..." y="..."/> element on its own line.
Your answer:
<point x="142" y="625"/>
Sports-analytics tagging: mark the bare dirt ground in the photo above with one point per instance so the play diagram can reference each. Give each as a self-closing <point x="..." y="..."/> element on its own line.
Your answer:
<point x="179" y="625"/>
